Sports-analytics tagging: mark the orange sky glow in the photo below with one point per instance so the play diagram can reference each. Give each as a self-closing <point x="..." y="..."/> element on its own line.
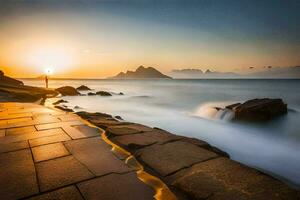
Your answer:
<point x="101" y="44"/>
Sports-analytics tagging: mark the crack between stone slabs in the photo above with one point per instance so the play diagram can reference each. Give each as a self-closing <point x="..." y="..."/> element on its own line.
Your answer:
<point x="36" y="172"/>
<point x="191" y="165"/>
<point x="77" y="188"/>
<point x="16" y="149"/>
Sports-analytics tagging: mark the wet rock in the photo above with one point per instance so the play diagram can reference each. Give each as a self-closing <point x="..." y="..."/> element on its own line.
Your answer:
<point x="128" y="129"/>
<point x="91" y="94"/>
<point x="258" y="109"/>
<point x="59" y="102"/>
<point x="67" y="91"/>
<point x="121" y="93"/>
<point x="64" y="108"/>
<point x="170" y="157"/>
<point x="96" y="115"/>
<point x="83" y="87"/>
<point x="103" y="93"/>
<point x="118" y="117"/>
<point x="222" y="178"/>
<point x="137" y="141"/>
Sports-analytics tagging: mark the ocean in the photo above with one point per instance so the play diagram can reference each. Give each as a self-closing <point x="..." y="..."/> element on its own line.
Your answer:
<point x="185" y="107"/>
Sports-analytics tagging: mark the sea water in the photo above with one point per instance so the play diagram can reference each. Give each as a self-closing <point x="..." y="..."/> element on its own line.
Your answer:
<point x="186" y="107"/>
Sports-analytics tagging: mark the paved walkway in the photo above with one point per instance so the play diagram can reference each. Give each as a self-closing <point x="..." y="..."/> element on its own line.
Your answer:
<point x="50" y="154"/>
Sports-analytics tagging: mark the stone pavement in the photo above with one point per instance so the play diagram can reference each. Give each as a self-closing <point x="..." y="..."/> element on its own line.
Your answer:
<point x="51" y="154"/>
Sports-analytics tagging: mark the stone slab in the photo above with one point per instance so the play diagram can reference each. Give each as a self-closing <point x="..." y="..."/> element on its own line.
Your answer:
<point x="17" y="172"/>
<point x="223" y="178"/>
<point x="11" y="116"/>
<point x="60" y="172"/>
<point x="136" y="141"/>
<point x="46" y="118"/>
<point x="82" y="131"/>
<point x="13" y="146"/>
<point x="28" y="136"/>
<point x="95" y="154"/>
<point x="61" y="137"/>
<point x="68" y="117"/>
<point x="20" y="130"/>
<point x="171" y="157"/>
<point x="2" y="133"/>
<point x="105" y="123"/>
<point x="116" y="186"/>
<point x="66" y="193"/>
<point x="58" y="125"/>
<point x="128" y="129"/>
<point x="49" y="151"/>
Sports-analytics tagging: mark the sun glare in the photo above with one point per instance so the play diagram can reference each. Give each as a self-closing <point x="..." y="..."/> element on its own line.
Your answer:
<point x="49" y="71"/>
<point x="48" y="60"/>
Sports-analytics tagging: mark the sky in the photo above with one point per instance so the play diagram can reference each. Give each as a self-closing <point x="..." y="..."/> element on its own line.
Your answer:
<point x="97" y="39"/>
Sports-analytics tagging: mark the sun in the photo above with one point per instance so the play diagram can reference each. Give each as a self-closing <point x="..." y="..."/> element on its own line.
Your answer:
<point x="50" y="59"/>
<point x="49" y="71"/>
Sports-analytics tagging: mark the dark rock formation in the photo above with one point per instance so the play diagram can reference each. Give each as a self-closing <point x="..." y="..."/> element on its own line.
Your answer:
<point x="64" y="108"/>
<point x="118" y="117"/>
<point x="258" y="109"/>
<point x="5" y="80"/>
<point x="67" y="91"/>
<point x="83" y="87"/>
<point x="91" y="94"/>
<point x="60" y="101"/>
<point x="121" y="93"/>
<point x="141" y="73"/>
<point x="103" y="93"/>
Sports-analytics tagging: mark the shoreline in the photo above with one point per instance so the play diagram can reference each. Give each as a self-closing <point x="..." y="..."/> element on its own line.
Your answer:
<point x="158" y="150"/>
<point x="189" y="167"/>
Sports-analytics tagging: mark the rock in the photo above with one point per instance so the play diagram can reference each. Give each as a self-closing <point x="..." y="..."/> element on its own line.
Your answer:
<point x="64" y="108"/>
<point x="258" y="109"/>
<point x="9" y="81"/>
<point x="83" y="87"/>
<point x="121" y="93"/>
<point x="222" y="178"/>
<point x="60" y="101"/>
<point x="173" y="156"/>
<point x="119" y="117"/>
<point x="232" y="106"/>
<point x="91" y="94"/>
<point x="67" y="91"/>
<point x="77" y="107"/>
<point x="103" y="93"/>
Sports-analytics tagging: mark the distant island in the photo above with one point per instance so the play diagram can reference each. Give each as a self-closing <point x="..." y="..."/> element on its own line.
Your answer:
<point x="142" y="73"/>
<point x="267" y="72"/>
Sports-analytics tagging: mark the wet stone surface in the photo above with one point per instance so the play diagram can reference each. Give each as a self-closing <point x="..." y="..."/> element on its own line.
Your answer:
<point x="171" y="157"/>
<point x="116" y="186"/>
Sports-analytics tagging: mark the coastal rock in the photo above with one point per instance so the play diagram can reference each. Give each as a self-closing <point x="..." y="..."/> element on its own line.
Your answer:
<point x="170" y="157"/>
<point x="118" y="117"/>
<point x="83" y="87"/>
<point x="222" y="178"/>
<point x="121" y="93"/>
<point x="91" y="94"/>
<point x="5" y="80"/>
<point x="64" y="108"/>
<point x="258" y="109"/>
<point x="103" y="93"/>
<point x="136" y="141"/>
<point x="67" y="91"/>
<point x="59" y="102"/>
